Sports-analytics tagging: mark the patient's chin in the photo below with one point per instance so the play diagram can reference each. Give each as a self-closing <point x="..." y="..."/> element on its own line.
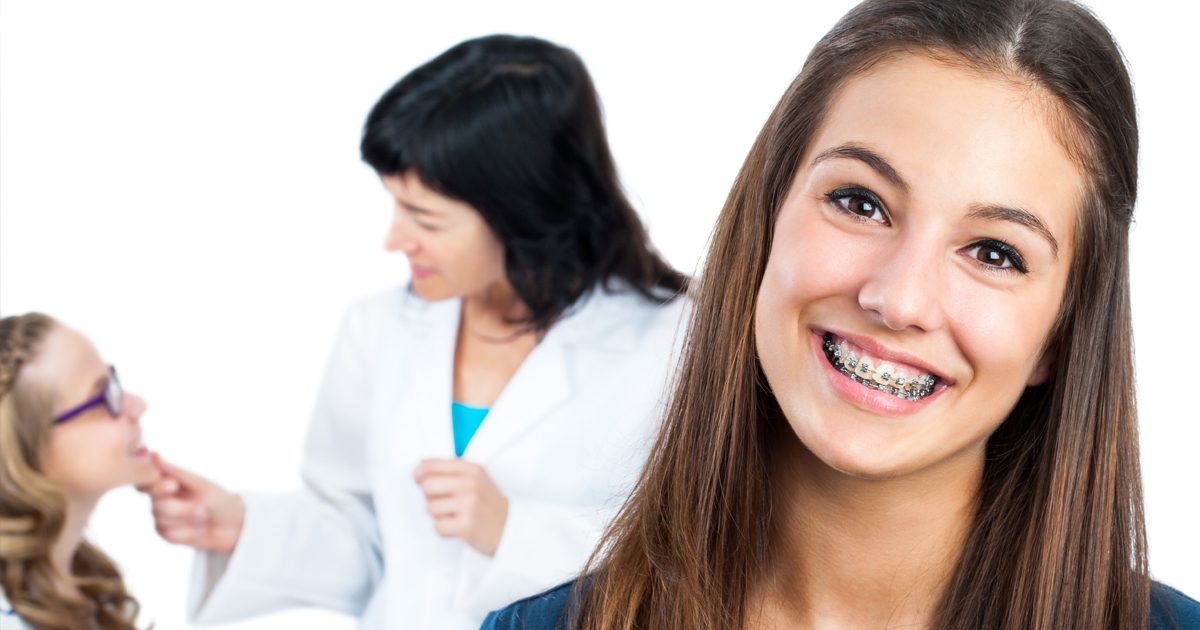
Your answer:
<point x="145" y="472"/>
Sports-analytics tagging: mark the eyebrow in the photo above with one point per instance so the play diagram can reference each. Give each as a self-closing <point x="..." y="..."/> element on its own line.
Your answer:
<point x="417" y="209"/>
<point x="986" y="212"/>
<point x="866" y="156"/>
<point x="1018" y="216"/>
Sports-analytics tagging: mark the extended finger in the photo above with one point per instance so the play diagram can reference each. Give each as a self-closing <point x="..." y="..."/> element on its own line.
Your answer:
<point x="161" y="487"/>
<point x="182" y="476"/>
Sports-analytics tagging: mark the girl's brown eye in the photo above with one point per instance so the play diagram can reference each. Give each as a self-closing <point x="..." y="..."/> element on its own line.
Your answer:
<point x="990" y="256"/>
<point x="861" y="207"/>
<point x="997" y="256"/>
<point x="859" y="203"/>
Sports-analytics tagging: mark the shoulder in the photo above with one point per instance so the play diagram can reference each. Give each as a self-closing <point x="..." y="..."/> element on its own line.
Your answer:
<point x="1171" y="609"/>
<point x="618" y="308"/>
<point x="396" y="309"/>
<point x="544" y="611"/>
<point x="395" y="301"/>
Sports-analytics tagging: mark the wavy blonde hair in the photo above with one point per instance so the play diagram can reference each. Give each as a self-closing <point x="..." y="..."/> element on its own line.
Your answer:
<point x="33" y="508"/>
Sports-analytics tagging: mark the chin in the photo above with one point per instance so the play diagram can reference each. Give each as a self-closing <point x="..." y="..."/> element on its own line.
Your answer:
<point x="430" y="294"/>
<point x="859" y="450"/>
<point x="143" y="473"/>
<point x="862" y="453"/>
<point x="856" y="462"/>
<point x="867" y="466"/>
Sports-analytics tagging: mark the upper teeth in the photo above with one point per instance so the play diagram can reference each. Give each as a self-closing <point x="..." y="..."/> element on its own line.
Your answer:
<point x="905" y="382"/>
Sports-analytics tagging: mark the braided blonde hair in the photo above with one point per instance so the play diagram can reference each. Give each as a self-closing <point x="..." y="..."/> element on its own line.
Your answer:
<point x="33" y="508"/>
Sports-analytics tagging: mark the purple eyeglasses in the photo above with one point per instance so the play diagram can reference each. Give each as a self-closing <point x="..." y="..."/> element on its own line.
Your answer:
<point x="110" y="398"/>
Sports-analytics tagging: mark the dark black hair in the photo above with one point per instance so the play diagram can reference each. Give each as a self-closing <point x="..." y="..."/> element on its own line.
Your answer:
<point x="512" y="126"/>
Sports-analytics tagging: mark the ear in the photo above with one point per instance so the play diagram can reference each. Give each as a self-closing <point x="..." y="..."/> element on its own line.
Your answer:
<point x="1041" y="371"/>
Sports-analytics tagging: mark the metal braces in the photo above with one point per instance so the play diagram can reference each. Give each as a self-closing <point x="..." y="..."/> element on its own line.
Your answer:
<point x="862" y="374"/>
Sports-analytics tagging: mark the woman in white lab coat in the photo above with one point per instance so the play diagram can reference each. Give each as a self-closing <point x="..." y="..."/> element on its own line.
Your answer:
<point x="475" y="430"/>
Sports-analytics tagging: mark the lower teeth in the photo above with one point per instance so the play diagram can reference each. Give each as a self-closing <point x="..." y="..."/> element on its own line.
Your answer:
<point x="916" y="392"/>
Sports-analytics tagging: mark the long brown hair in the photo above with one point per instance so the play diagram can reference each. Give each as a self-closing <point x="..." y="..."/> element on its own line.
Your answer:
<point x="1057" y="539"/>
<point x="33" y="508"/>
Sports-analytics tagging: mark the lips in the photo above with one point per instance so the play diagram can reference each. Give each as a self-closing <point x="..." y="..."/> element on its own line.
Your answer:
<point x="877" y="388"/>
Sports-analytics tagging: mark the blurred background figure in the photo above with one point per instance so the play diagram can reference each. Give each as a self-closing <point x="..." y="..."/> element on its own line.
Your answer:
<point x="68" y="435"/>
<point x="476" y="429"/>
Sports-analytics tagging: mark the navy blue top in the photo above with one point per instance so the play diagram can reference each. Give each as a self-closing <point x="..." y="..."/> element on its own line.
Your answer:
<point x="1169" y="610"/>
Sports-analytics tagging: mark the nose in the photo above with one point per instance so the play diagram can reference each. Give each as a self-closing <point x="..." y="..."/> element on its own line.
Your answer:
<point x="904" y="288"/>
<point x="133" y="406"/>
<point x="399" y="236"/>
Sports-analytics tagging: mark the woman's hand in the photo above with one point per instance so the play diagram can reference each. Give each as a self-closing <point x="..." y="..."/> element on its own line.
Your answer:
<point x="463" y="501"/>
<point x="191" y="510"/>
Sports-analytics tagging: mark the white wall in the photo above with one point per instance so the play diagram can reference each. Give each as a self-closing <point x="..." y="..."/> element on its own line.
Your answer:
<point x="181" y="182"/>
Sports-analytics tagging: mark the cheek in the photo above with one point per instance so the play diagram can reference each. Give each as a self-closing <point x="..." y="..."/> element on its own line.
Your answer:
<point x="809" y="264"/>
<point x="470" y="258"/>
<point x="810" y="260"/>
<point x="91" y="460"/>
<point x="1001" y="333"/>
<point x="491" y="259"/>
<point x="483" y="258"/>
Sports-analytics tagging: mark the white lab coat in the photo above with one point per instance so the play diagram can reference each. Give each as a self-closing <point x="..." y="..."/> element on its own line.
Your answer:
<point x="564" y="442"/>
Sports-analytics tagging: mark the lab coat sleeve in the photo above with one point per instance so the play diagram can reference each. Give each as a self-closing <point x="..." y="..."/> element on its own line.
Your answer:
<point x="319" y="546"/>
<point x="543" y="545"/>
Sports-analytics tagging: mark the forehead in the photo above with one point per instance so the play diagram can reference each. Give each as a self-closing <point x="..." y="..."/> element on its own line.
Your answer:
<point x="67" y="362"/>
<point x="971" y="136"/>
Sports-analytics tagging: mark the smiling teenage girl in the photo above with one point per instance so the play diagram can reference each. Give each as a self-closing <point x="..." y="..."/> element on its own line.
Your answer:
<point x="907" y="399"/>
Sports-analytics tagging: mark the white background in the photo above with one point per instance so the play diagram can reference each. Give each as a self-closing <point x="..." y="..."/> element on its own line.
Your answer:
<point x="181" y="181"/>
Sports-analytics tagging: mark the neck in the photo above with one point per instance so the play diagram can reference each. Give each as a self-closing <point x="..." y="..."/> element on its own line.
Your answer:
<point x="79" y="510"/>
<point x="860" y="552"/>
<point x="494" y="311"/>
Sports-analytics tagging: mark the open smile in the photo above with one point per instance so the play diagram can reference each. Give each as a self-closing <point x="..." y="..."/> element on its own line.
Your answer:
<point x="876" y="378"/>
<point x="892" y="377"/>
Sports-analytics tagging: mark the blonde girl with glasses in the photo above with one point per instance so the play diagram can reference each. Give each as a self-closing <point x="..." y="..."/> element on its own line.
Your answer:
<point x="68" y="435"/>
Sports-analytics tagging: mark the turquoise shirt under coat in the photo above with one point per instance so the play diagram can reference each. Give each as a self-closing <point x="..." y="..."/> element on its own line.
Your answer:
<point x="466" y="421"/>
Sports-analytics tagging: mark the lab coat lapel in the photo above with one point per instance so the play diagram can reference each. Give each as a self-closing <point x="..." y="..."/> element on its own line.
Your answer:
<point x="590" y="335"/>
<point x="540" y="385"/>
<point x="428" y="382"/>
